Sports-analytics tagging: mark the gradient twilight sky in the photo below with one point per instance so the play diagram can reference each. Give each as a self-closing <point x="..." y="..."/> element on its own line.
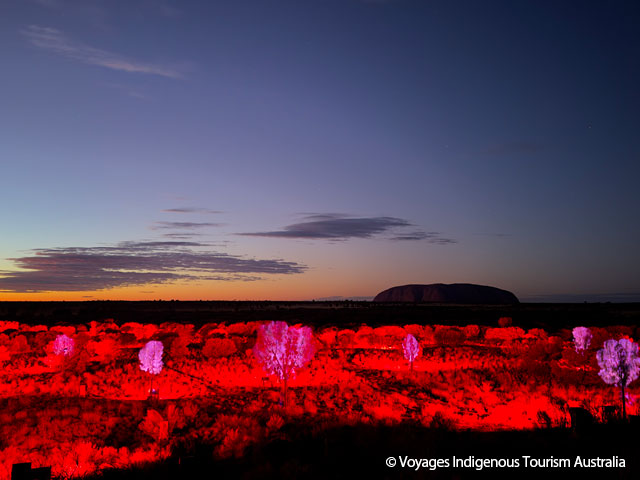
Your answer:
<point x="303" y="149"/>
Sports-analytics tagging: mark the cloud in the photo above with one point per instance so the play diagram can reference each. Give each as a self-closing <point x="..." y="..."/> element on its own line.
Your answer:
<point x="182" y="235"/>
<point x="57" y="42"/>
<point x="322" y="216"/>
<point x="183" y="225"/>
<point x="513" y="148"/>
<point x="133" y="263"/>
<point x="431" y="237"/>
<point x="191" y="236"/>
<point x="332" y="226"/>
<point x="191" y="210"/>
<point x="335" y="228"/>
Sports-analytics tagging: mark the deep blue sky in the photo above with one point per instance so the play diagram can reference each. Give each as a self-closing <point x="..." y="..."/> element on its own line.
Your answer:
<point x="360" y="144"/>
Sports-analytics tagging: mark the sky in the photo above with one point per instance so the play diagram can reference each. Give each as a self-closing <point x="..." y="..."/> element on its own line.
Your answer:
<point x="309" y="149"/>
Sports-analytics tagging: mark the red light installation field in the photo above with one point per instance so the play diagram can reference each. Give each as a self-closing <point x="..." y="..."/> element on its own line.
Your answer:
<point x="91" y="411"/>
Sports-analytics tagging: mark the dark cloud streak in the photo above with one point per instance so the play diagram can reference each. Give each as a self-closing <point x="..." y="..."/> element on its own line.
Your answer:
<point x="191" y="210"/>
<point x="183" y="225"/>
<point x="182" y="236"/>
<point x="333" y="227"/>
<point x="431" y="237"/>
<point x="337" y="227"/>
<point x="132" y="263"/>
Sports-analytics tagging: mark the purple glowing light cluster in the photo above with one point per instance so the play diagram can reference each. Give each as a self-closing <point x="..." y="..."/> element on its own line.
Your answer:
<point x="282" y="349"/>
<point x="64" y="345"/>
<point x="411" y="348"/>
<point x="582" y="338"/>
<point x="151" y="357"/>
<point x="619" y="362"/>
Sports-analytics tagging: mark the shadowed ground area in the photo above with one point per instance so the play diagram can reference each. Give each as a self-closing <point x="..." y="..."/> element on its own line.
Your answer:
<point x="361" y="451"/>
<point x="548" y="316"/>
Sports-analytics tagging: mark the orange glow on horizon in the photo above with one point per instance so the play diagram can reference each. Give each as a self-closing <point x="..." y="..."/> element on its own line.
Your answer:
<point x="283" y="290"/>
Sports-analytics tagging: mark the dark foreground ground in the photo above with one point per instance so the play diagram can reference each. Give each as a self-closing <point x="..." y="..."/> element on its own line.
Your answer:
<point x="362" y="452"/>
<point x="526" y="315"/>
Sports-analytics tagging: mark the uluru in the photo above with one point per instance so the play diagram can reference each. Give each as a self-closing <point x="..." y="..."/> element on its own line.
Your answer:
<point x="462" y="293"/>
